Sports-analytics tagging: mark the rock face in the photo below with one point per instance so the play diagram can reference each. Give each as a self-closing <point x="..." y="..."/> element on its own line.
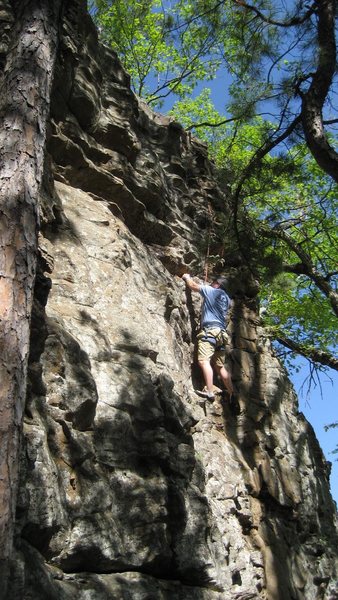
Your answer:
<point x="131" y="487"/>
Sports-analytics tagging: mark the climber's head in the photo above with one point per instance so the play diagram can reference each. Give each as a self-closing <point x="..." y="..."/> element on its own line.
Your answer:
<point x="220" y="282"/>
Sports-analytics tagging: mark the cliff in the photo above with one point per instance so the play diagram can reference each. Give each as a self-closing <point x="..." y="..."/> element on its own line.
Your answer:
<point x="131" y="487"/>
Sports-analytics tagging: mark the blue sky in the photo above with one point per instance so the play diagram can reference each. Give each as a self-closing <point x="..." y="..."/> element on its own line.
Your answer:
<point x="320" y="408"/>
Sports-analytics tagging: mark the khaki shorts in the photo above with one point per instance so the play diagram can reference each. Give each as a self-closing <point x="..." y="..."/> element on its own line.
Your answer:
<point x="206" y="350"/>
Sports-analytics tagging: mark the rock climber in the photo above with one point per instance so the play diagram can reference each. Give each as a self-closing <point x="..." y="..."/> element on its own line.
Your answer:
<point x="212" y="338"/>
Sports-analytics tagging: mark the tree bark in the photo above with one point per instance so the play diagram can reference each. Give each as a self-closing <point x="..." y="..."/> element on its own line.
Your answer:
<point x="25" y="98"/>
<point x="313" y="100"/>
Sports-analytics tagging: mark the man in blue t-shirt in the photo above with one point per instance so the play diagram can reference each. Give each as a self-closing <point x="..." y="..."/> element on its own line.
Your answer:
<point x="212" y="337"/>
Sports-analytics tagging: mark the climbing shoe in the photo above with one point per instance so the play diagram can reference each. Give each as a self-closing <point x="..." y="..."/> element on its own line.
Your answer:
<point x="205" y="394"/>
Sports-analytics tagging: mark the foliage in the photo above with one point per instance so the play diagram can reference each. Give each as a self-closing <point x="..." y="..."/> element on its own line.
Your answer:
<point x="332" y="426"/>
<point x="162" y="56"/>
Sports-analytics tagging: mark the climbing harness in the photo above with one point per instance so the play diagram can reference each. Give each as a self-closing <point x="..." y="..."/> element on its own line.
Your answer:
<point x="218" y="340"/>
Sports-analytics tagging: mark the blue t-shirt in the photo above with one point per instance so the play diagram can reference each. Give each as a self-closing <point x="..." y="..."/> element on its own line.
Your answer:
<point x="215" y="305"/>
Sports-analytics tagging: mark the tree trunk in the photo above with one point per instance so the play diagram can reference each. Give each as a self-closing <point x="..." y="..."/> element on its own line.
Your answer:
<point x="313" y="100"/>
<point x="25" y="97"/>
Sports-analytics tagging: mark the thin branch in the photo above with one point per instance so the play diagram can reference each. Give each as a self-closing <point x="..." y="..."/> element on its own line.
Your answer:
<point x="295" y="20"/>
<point x="187" y="70"/>
<point x="208" y="124"/>
<point x="196" y="17"/>
<point x="264" y="149"/>
<point x="331" y="274"/>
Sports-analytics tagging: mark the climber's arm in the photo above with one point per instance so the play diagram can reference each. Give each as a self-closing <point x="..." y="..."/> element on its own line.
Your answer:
<point x="192" y="285"/>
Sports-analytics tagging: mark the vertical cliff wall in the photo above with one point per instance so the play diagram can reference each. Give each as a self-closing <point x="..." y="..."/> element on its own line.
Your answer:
<point x="131" y="486"/>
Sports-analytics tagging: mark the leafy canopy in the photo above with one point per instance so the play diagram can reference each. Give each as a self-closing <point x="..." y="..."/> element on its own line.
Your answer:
<point x="165" y="51"/>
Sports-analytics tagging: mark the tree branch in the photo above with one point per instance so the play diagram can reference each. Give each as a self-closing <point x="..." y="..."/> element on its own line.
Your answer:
<point x="313" y="100"/>
<point x="295" y="20"/>
<point x="296" y="268"/>
<point x="268" y="145"/>
<point x="318" y="356"/>
<point x="207" y="124"/>
<point x="309" y="269"/>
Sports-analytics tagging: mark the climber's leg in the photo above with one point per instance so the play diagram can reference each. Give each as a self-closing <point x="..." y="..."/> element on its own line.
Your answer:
<point x="205" y="351"/>
<point x="226" y="377"/>
<point x="208" y="375"/>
